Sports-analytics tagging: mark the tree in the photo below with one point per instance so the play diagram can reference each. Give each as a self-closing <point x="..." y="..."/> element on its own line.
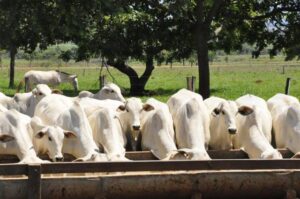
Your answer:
<point x="135" y="30"/>
<point x="23" y="25"/>
<point x="205" y="25"/>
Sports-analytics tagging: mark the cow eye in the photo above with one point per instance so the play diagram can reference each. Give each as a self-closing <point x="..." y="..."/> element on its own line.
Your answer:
<point x="127" y="110"/>
<point x="50" y="139"/>
<point x="40" y="94"/>
<point x="223" y="112"/>
<point x="112" y="91"/>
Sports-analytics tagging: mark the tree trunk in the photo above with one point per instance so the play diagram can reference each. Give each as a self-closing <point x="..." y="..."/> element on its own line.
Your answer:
<point x="203" y="65"/>
<point x="13" y="52"/>
<point x="137" y="85"/>
<point x="201" y="37"/>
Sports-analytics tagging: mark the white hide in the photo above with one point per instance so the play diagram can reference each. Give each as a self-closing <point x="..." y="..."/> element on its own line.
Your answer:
<point x="107" y="133"/>
<point x="157" y="131"/>
<point x="69" y="115"/>
<point x="253" y="101"/>
<point x="191" y="121"/>
<point x="250" y="125"/>
<point x="222" y="122"/>
<point x="90" y="105"/>
<point x="108" y="91"/>
<point x="14" y="137"/>
<point x="26" y="102"/>
<point x="285" y="111"/>
<point x="53" y="77"/>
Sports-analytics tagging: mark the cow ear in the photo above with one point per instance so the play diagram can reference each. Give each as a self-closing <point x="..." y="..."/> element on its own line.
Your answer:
<point x="6" y="138"/>
<point x="69" y="134"/>
<point x="148" y="107"/>
<point x="216" y="112"/>
<point x="106" y="90"/>
<point x="40" y="135"/>
<point x="245" y="110"/>
<point x="121" y="108"/>
<point x="57" y="91"/>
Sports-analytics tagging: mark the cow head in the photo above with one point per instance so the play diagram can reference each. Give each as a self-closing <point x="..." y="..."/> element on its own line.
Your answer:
<point x="132" y="114"/>
<point x="227" y="110"/>
<point x="110" y="91"/>
<point x="52" y="137"/>
<point x="40" y="91"/>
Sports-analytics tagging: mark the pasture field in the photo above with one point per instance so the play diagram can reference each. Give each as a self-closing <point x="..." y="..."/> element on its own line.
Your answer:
<point x="231" y="76"/>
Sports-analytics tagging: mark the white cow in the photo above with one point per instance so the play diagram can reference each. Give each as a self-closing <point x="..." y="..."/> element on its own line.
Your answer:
<point x="222" y="122"/>
<point x="14" y="138"/>
<point x="107" y="133"/>
<point x="191" y="121"/>
<point x="255" y="101"/>
<point x="108" y="91"/>
<point x="129" y="114"/>
<point x="252" y="126"/>
<point x="90" y="105"/>
<point x="53" y="77"/>
<point x="69" y="115"/>
<point x="26" y="102"/>
<point x="157" y="131"/>
<point x="285" y="111"/>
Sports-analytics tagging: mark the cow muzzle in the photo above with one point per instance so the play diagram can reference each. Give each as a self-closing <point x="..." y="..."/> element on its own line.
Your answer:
<point x="136" y="127"/>
<point x="232" y="131"/>
<point x="59" y="159"/>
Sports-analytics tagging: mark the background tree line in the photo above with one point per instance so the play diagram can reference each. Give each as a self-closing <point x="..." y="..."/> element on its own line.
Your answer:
<point x="149" y="31"/>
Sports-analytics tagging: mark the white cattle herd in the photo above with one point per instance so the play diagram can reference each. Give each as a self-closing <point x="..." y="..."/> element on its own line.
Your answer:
<point x="102" y="126"/>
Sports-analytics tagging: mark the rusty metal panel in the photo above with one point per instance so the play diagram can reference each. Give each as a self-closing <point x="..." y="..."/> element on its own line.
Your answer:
<point x="208" y="184"/>
<point x="13" y="169"/>
<point x="169" y="165"/>
<point x="147" y="155"/>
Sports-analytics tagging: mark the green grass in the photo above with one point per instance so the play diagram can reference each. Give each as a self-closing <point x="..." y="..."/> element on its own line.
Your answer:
<point x="240" y="75"/>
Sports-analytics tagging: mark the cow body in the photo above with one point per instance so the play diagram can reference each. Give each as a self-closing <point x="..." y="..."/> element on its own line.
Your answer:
<point x="14" y="137"/>
<point x="69" y="115"/>
<point x="157" y="131"/>
<point x="285" y="111"/>
<point x="53" y="77"/>
<point x="252" y="127"/>
<point x="108" y="91"/>
<point x="107" y="133"/>
<point x="191" y="121"/>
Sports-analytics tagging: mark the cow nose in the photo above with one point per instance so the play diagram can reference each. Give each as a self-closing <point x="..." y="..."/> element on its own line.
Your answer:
<point x="136" y="127"/>
<point x="59" y="159"/>
<point x="232" y="131"/>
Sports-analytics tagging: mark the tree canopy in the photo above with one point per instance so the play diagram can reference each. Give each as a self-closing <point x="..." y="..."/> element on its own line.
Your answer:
<point x="152" y="30"/>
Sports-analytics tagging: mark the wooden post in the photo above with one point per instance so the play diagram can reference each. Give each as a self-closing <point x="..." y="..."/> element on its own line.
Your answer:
<point x="287" y="86"/>
<point x="34" y="181"/>
<point x="191" y="83"/>
<point x="102" y="80"/>
<point x="283" y="69"/>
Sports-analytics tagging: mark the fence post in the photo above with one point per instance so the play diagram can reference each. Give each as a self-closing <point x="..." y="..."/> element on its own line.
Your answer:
<point x="287" y="86"/>
<point x="190" y="81"/>
<point x="34" y="181"/>
<point x="102" y="81"/>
